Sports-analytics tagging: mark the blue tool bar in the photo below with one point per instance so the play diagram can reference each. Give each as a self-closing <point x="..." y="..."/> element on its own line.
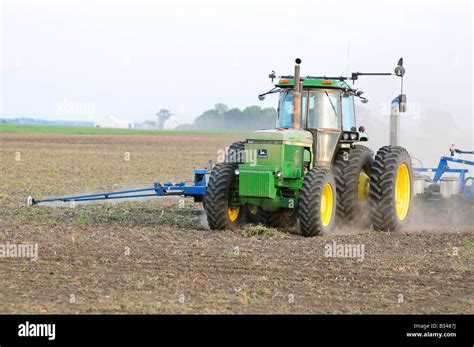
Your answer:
<point x="198" y="189"/>
<point x="187" y="191"/>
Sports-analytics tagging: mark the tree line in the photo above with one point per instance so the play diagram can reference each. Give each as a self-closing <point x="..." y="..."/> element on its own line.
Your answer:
<point x="223" y="118"/>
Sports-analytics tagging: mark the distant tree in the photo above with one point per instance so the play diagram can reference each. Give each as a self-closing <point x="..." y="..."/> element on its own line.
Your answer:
<point x="221" y="108"/>
<point x="209" y="120"/>
<point x="185" y="126"/>
<point x="149" y="124"/>
<point x="234" y="119"/>
<point x="253" y="110"/>
<point x="223" y="118"/>
<point x="163" y="116"/>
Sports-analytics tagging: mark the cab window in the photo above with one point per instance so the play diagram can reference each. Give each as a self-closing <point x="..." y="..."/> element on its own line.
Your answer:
<point x="348" y="113"/>
<point x="324" y="110"/>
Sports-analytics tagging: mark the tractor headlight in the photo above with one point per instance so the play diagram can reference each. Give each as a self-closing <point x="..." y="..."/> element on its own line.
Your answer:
<point x="350" y="136"/>
<point x="237" y="172"/>
<point x="279" y="175"/>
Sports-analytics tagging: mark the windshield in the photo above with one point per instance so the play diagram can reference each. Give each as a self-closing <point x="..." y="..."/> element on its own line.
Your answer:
<point x="285" y="109"/>
<point x="323" y="111"/>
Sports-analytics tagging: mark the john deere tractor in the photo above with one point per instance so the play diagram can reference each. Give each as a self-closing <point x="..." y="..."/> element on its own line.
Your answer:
<point x="310" y="172"/>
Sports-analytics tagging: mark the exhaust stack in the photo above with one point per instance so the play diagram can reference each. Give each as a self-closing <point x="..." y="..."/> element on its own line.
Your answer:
<point x="296" y="123"/>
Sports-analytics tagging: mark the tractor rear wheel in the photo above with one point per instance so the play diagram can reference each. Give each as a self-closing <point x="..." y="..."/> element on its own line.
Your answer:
<point x="221" y="201"/>
<point x="352" y="170"/>
<point x="317" y="203"/>
<point x="391" y="185"/>
<point x="283" y="218"/>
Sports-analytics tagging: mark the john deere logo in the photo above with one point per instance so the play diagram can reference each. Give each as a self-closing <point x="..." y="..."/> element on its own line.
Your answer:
<point x="262" y="153"/>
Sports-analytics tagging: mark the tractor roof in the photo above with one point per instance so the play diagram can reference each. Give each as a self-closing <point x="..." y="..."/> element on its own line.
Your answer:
<point x="309" y="82"/>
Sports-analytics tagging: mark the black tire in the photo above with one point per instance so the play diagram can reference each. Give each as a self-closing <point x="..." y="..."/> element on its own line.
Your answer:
<point x="283" y="218"/>
<point x="387" y="165"/>
<point x="235" y="153"/>
<point x="347" y="170"/>
<point x="220" y="189"/>
<point x="310" y="201"/>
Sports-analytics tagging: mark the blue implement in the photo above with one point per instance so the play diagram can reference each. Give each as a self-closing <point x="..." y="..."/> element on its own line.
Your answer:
<point x="443" y="168"/>
<point x="196" y="189"/>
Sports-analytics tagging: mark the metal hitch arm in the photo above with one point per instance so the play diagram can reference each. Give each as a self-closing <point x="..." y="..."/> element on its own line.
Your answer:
<point x="196" y="190"/>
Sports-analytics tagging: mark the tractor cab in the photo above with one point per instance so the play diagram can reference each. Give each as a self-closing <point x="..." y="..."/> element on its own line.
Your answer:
<point x="325" y="104"/>
<point x="326" y="111"/>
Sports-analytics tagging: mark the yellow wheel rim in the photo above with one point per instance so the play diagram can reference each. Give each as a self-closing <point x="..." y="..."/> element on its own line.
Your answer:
<point x="363" y="186"/>
<point x="402" y="192"/>
<point x="327" y="201"/>
<point x="233" y="213"/>
<point x="252" y="208"/>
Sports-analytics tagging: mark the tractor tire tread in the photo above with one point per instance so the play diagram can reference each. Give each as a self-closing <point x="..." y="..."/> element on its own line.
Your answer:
<point x="216" y="199"/>
<point x="346" y="173"/>
<point x="382" y="185"/>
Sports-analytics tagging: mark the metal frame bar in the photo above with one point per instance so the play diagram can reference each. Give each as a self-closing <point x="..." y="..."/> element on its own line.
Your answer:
<point x="354" y="76"/>
<point x="198" y="189"/>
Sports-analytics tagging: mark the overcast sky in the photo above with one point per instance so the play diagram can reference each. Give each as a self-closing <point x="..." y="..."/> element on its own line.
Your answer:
<point x="89" y="59"/>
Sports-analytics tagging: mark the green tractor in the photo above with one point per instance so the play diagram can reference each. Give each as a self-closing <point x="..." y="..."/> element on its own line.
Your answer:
<point x="310" y="172"/>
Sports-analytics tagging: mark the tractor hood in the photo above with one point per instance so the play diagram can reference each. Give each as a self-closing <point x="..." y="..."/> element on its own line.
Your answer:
<point x="285" y="136"/>
<point x="273" y="158"/>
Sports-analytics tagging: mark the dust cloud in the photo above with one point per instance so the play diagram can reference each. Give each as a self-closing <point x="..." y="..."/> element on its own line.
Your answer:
<point x="427" y="135"/>
<point x="442" y="215"/>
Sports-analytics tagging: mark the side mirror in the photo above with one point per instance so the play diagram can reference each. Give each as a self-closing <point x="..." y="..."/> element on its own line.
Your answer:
<point x="361" y="129"/>
<point x="261" y="97"/>
<point x="363" y="99"/>
<point x="399" y="69"/>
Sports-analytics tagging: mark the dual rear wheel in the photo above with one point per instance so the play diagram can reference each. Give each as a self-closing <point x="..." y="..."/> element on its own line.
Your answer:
<point x="352" y="169"/>
<point x="390" y="194"/>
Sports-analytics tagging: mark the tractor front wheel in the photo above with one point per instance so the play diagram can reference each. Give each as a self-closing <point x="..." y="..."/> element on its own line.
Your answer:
<point x="391" y="185"/>
<point x="317" y="203"/>
<point x="221" y="201"/>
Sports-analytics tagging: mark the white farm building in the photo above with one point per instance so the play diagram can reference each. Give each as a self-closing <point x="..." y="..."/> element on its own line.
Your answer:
<point x="112" y="122"/>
